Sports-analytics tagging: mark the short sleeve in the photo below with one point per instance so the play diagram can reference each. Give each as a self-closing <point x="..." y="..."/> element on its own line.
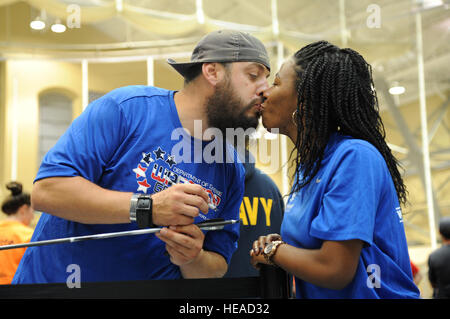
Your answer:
<point x="349" y="205"/>
<point x="88" y="144"/>
<point x="224" y="242"/>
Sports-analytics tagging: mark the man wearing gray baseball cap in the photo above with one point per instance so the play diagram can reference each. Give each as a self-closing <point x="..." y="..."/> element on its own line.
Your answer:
<point x="229" y="69"/>
<point x="224" y="81"/>
<point x="225" y="46"/>
<point x="117" y="169"/>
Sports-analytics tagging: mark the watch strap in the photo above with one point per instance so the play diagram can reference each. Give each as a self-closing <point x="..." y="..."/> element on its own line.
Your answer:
<point x="141" y="210"/>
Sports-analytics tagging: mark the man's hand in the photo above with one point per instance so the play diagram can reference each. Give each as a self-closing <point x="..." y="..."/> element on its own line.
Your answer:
<point x="185" y="247"/>
<point x="183" y="243"/>
<point x="179" y="204"/>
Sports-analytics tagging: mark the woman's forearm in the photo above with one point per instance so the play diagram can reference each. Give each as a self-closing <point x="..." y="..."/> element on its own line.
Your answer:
<point x="332" y="266"/>
<point x="305" y="264"/>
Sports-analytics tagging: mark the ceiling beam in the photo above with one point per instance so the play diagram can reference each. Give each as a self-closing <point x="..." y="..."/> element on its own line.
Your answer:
<point x="415" y="152"/>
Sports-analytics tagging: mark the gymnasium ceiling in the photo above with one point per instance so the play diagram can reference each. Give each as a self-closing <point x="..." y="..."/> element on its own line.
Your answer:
<point x="111" y="28"/>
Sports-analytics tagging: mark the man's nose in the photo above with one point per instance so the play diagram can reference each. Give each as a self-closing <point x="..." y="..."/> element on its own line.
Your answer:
<point x="264" y="85"/>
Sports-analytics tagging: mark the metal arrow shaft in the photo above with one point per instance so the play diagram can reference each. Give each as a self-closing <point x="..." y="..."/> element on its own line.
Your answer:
<point x="206" y="225"/>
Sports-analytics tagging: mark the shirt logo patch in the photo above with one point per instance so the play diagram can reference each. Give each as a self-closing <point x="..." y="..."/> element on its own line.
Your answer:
<point x="398" y="211"/>
<point x="157" y="170"/>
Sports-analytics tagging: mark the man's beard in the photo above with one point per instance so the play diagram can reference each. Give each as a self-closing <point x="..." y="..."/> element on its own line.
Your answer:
<point x="225" y="110"/>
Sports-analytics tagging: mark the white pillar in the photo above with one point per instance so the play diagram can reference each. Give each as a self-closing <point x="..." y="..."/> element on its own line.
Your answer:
<point x="424" y="126"/>
<point x="14" y="128"/>
<point x="119" y="5"/>
<point x="150" y="72"/>
<point x="343" y="24"/>
<point x="283" y="139"/>
<point x="199" y="11"/>
<point x="275" y="24"/>
<point x="84" y="84"/>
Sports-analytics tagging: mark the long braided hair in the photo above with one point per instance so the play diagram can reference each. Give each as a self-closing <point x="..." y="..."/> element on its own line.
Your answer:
<point x="335" y="92"/>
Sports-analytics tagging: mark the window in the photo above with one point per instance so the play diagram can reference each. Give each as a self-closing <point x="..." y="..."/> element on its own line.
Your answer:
<point x="55" y="116"/>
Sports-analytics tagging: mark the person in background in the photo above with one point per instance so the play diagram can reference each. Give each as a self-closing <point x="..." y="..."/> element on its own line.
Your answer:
<point x="14" y="229"/>
<point x="439" y="263"/>
<point x="417" y="276"/>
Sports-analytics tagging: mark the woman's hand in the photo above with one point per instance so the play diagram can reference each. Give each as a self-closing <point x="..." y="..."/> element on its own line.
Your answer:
<point x="256" y="253"/>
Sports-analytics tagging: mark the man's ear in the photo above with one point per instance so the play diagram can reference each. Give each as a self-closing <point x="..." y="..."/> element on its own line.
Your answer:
<point x="213" y="72"/>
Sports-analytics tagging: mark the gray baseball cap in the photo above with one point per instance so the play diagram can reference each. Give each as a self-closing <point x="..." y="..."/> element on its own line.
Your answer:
<point x="225" y="46"/>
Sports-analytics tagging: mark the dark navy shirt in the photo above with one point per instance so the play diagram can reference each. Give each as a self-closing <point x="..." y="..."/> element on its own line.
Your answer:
<point x="261" y="213"/>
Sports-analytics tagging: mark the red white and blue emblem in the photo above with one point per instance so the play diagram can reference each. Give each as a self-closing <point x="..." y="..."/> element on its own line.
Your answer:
<point x="157" y="170"/>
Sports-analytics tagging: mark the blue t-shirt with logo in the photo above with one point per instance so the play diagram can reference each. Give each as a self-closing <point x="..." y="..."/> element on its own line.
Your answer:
<point x="131" y="140"/>
<point x="353" y="197"/>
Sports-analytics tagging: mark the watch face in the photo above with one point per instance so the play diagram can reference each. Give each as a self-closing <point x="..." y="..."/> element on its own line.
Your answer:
<point x="268" y="248"/>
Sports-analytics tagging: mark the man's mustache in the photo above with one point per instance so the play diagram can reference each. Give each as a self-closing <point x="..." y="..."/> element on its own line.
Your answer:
<point x="259" y="100"/>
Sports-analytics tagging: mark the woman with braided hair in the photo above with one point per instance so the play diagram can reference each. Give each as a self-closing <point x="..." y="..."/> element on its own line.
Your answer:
<point x="14" y="229"/>
<point x="342" y="234"/>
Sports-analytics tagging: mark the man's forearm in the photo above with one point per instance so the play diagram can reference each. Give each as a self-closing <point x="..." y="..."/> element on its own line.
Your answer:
<point x="77" y="199"/>
<point x="208" y="264"/>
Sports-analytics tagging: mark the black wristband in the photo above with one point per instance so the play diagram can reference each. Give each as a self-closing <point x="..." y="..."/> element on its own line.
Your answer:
<point x="144" y="211"/>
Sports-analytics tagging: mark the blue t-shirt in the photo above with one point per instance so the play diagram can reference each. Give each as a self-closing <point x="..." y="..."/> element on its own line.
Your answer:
<point x="130" y="140"/>
<point x="353" y="197"/>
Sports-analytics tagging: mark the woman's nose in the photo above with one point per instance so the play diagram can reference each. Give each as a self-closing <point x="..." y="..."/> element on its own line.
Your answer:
<point x="265" y="93"/>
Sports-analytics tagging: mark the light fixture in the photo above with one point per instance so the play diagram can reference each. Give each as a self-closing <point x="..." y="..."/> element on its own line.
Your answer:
<point x="57" y="27"/>
<point x="397" y="90"/>
<point x="37" y="24"/>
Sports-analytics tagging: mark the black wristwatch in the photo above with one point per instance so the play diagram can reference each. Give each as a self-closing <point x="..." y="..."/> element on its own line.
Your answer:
<point x="141" y="210"/>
